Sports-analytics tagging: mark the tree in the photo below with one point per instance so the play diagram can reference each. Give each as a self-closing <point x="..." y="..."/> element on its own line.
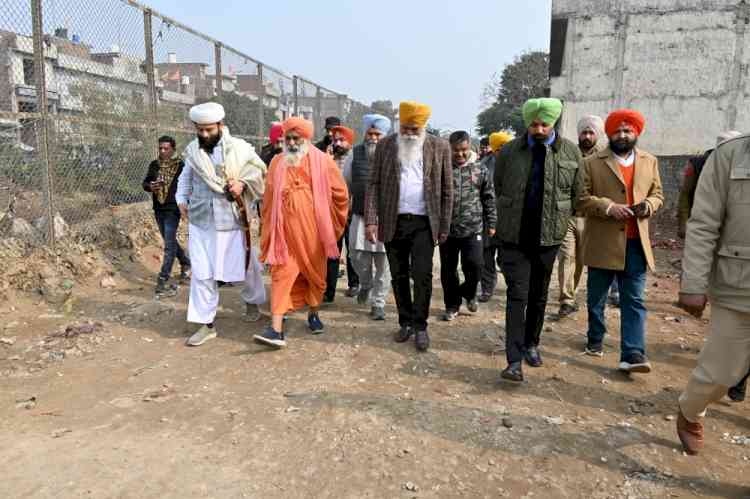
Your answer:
<point x="525" y="78"/>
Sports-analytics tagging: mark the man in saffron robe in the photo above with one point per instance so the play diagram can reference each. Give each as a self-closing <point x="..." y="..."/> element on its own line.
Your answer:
<point x="305" y="206"/>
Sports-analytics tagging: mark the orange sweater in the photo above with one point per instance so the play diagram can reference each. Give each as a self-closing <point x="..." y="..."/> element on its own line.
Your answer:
<point x="631" y="225"/>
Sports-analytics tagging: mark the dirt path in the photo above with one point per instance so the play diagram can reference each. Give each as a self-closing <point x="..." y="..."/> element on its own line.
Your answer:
<point x="127" y="411"/>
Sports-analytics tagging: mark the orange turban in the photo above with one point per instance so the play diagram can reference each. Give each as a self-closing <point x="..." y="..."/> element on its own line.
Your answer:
<point x="413" y="113"/>
<point x="628" y="116"/>
<point x="300" y="125"/>
<point x="347" y="133"/>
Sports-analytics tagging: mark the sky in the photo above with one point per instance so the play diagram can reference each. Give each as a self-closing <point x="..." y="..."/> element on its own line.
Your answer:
<point x="439" y="53"/>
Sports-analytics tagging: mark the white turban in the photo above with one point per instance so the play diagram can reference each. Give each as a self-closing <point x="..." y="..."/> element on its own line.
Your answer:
<point x="593" y="122"/>
<point x="724" y="136"/>
<point x="207" y="114"/>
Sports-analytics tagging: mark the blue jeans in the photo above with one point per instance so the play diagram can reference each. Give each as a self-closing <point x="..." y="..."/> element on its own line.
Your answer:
<point x="168" y="221"/>
<point x="631" y="282"/>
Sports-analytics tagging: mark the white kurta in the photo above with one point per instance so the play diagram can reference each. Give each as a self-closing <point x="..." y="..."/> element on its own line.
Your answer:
<point x="218" y="256"/>
<point x="357" y="239"/>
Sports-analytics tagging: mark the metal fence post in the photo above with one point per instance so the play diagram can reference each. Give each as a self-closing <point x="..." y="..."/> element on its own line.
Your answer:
<point x="295" y="87"/>
<point x="219" y="75"/>
<point x="340" y="106"/>
<point x="318" y="119"/>
<point x="261" y="106"/>
<point x="150" y="77"/>
<point x="43" y="109"/>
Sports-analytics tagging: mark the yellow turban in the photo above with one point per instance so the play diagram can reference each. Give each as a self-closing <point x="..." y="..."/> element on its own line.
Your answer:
<point x="499" y="139"/>
<point x="413" y="113"/>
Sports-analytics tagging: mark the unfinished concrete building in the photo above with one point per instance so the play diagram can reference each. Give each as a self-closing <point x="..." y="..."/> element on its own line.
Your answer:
<point x="682" y="63"/>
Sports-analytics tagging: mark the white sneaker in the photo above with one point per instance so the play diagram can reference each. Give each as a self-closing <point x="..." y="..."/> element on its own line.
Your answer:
<point x="201" y="336"/>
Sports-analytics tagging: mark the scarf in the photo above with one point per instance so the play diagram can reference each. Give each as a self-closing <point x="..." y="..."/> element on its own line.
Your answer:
<point x="240" y="163"/>
<point x="278" y="251"/>
<point x="167" y="172"/>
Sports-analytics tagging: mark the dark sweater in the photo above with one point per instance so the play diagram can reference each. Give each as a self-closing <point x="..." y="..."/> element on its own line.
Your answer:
<point x="153" y="174"/>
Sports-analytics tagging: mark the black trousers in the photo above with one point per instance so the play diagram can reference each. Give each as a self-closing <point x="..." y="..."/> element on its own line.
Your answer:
<point x="492" y="257"/>
<point x="332" y="272"/>
<point x="470" y="250"/>
<point x="410" y="257"/>
<point x="527" y="273"/>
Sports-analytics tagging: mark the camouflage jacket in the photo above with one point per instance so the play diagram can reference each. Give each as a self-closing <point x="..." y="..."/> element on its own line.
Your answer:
<point x="473" y="200"/>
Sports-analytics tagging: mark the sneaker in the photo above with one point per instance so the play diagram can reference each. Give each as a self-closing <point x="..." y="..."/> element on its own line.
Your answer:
<point x="533" y="357"/>
<point x="377" y="314"/>
<point x="164" y="290"/>
<point x="514" y="372"/>
<point x="403" y="334"/>
<point x="271" y="338"/>
<point x="252" y="313"/>
<point x="185" y="274"/>
<point x="472" y="305"/>
<point x="484" y="297"/>
<point x="450" y="315"/>
<point x="566" y="310"/>
<point x="635" y="363"/>
<point x="422" y="340"/>
<point x="614" y="299"/>
<point x="352" y="292"/>
<point x="363" y="296"/>
<point x="594" y="350"/>
<point x="314" y="323"/>
<point x="201" y="336"/>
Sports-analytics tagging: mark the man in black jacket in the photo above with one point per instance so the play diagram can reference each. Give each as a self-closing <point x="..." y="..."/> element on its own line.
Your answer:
<point x="161" y="182"/>
<point x="326" y="145"/>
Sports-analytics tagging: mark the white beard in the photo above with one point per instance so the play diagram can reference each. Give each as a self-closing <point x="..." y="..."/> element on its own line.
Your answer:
<point x="410" y="148"/>
<point x="370" y="148"/>
<point x="295" y="158"/>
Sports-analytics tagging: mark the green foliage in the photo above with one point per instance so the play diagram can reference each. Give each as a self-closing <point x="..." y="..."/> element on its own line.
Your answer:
<point x="527" y="77"/>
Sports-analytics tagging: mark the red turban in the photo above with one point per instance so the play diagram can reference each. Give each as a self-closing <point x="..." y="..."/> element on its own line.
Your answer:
<point x="627" y="116"/>
<point x="300" y="125"/>
<point x="347" y="133"/>
<point x="276" y="132"/>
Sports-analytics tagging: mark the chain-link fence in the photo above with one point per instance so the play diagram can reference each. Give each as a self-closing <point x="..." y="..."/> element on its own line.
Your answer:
<point x="86" y="90"/>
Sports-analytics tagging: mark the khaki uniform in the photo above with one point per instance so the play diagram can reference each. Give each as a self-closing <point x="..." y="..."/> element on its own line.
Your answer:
<point x="570" y="257"/>
<point x="716" y="262"/>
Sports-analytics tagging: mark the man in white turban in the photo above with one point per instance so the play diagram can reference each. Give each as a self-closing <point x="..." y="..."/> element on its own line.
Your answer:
<point x="591" y="139"/>
<point x="367" y="255"/>
<point x="222" y="178"/>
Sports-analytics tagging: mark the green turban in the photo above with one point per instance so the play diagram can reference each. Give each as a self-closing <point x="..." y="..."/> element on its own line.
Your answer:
<point x="545" y="109"/>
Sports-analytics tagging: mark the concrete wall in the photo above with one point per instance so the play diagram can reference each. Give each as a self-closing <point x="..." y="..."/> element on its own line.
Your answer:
<point x="682" y="63"/>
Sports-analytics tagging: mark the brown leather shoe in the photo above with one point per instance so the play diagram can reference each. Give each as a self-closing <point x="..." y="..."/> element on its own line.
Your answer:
<point x="691" y="435"/>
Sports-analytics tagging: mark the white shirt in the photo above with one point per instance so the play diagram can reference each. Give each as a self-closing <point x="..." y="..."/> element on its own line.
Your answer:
<point x="627" y="161"/>
<point x="411" y="189"/>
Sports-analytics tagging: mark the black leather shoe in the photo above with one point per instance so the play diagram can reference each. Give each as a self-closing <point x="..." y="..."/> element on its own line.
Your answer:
<point x="513" y="372"/>
<point x="403" y="334"/>
<point x="422" y="341"/>
<point x="532" y="357"/>
<point x="737" y="392"/>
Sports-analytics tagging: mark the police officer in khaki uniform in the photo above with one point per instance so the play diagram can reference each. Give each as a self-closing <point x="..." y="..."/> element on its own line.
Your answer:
<point x="716" y="266"/>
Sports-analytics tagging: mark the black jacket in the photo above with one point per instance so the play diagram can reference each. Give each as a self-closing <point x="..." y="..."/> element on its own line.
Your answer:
<point x="153" y="174"/>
